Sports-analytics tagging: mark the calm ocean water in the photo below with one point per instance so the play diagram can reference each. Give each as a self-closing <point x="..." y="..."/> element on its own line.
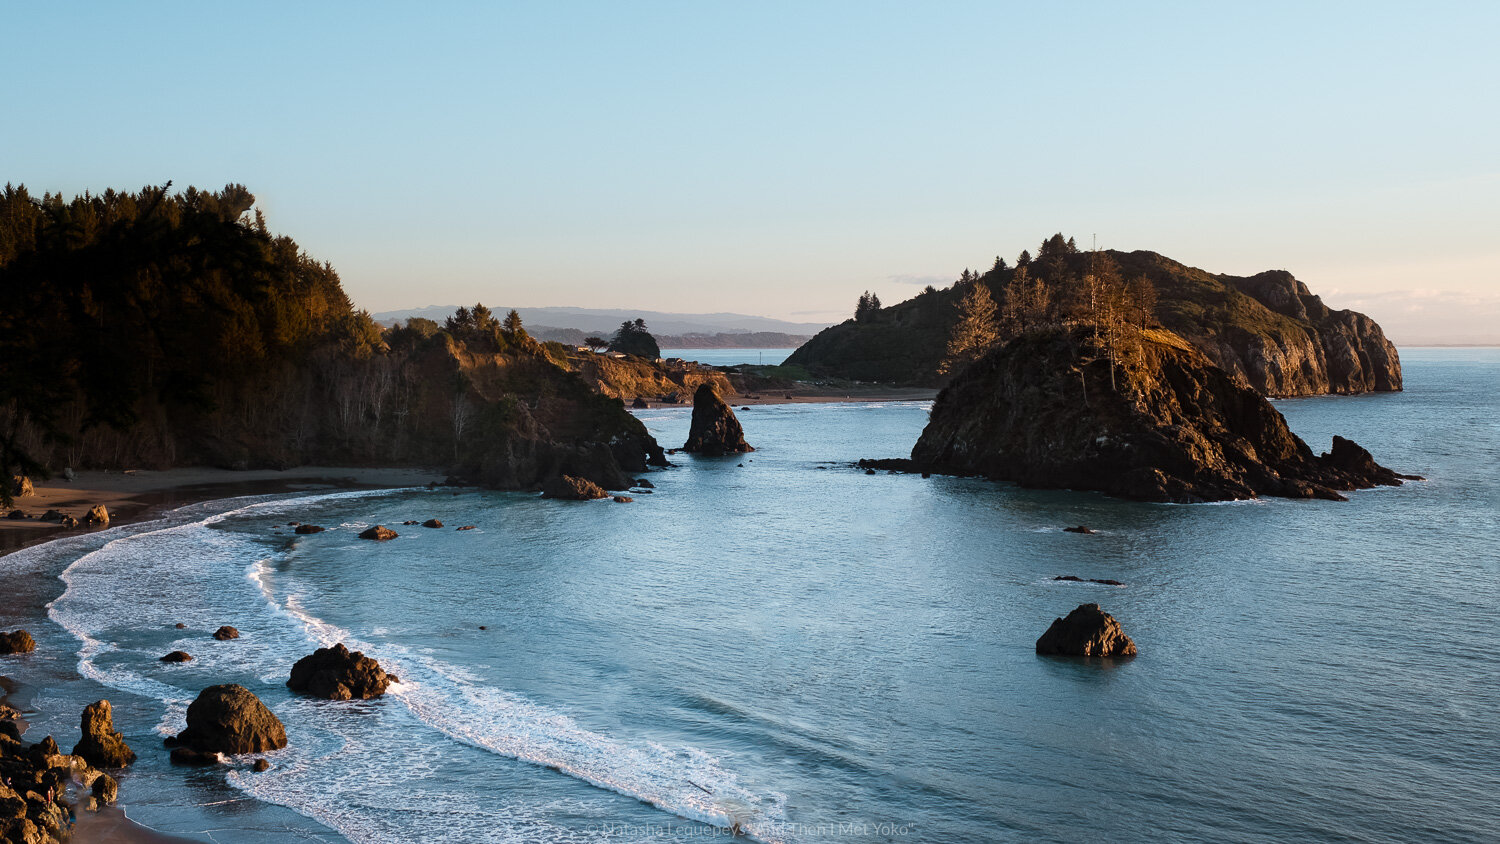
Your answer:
<point x="730" y="357"/>
<point x="782" y="642"/>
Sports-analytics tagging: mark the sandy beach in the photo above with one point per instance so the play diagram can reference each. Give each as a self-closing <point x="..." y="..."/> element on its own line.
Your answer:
<point x="132" y="496"/>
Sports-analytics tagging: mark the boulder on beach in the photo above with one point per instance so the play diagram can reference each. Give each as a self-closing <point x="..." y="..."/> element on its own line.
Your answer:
<point x="432" y="523"/>
<point x="105" y="789"/>
<point x="177" y="656"/>
<point x="639" y="403"/>
<point x="379" y="533"/>
<point x="98" y="515"/>
<point x="52" y="516"/>
<point x="1087" y="631"/>
<point x="102" y="745"/>
<point x="17" y="515"/>
<point x="308" y="529"/>
<point x="230" y="719"/>
<point x="20" y="486"/>
<point x="337" y="674"/>
<point x="70" y="522"/>
<point x="569" y="488"/>
<point x="714" y="431"/>
<point x="19" y="642"/>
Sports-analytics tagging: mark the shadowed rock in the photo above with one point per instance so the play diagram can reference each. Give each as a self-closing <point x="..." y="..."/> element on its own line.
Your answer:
<point x="569" y="488"/>
<point x="230" y="719"/>
<point x="177" y="656"/>
<point x="98" y="515"/>
<point x="337" y="674"/>
<point x="102" y="745"/>
<point x="714" y="431"/>
<point x="225" y="633"/>
<point x="432" y="523"/>
<point x="379" y="533"/>
<point x="304" y="529"/>
<point x="1087" y="631"/>
<point x="19" y="642"/>
<point x="1078" y="529"/>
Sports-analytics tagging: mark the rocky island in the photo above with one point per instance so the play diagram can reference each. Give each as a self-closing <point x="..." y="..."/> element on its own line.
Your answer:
<point x="1051" y="408"/>
<point x="1269" y="328"/>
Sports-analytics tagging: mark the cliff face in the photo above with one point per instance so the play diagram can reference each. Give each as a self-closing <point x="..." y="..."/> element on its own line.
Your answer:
<point x="1041" y="411"/>
<point x="1267" y="328"/>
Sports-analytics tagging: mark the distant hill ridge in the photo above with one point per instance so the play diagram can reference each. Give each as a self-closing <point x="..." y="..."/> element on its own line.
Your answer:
<point x="1268" y="329"/>
<point x="603" y="321"/>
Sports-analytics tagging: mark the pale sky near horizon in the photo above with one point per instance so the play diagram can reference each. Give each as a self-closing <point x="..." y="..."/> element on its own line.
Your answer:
<point x="780" y="158"/>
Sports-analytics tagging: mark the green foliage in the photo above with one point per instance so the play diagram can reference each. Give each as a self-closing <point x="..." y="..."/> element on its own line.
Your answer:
<point x="632" y="338"/>
<point x="868" y="305"/>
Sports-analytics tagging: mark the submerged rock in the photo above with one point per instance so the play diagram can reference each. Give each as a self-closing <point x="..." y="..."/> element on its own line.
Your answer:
<point x="189" y="756"/>
<point x="18" y="642"/>
<point x="623" y="499"/>
<point x="569" y="488"/>
<point x="337" y="674"/>
<point x="102" y="745"/>
<point x="1078" y="529"/>
<point x="1087" y="631"/>
<point x="230" y="719"/>
<point x="177" y="656"/>
<point x="1048" y="409"/>
<point x="380" y="533"/>
<point x="714" y="431"/>
<point x="305" y="529"/>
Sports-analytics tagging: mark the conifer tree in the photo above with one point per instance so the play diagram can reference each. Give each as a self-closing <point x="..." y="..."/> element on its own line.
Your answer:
<point x="976" y="331"/>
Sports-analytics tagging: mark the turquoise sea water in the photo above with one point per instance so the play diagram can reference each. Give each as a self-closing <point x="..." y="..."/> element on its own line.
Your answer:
<point x="730" y="357"/>
<point x="780" y="643"/>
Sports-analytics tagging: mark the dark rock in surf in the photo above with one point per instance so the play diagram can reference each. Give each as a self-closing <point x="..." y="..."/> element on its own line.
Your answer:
<point x="102" y="745"/>
<point x="623" y="499"/>
<point x="432" y="523"/>
<point x="19" y="642"/>
<point x="178" y="656"/>
<point x="306" y="529"/>
<point x="1078" y="529"/>
<point x="261" y="765"/>
<point x="379" y="533"/>
<point x="714" y="431"/>
<point x="644" y="484"/>
<point x="230" y="719"/>
<point x="468" y="527"/>
<point x="569" y="488"/>
<point x="225" y="633"/>
<point x="337" y="674"/>
<point x="1087" y="631"/>
<point x="189" y="756"/>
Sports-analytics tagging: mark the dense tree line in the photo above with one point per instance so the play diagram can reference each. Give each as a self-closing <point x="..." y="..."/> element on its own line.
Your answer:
<point x="154" y="329"/>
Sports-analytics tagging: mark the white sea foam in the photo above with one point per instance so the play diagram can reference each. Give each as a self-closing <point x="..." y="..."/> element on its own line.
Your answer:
<point x="356" y="775"/>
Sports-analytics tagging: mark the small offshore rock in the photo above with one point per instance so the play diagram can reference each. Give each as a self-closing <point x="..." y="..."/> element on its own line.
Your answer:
<point x="308" y="529"/>
<point x="261" y="765"/>
<point x="644" y="484"/>
<point x="225" y="633"/>
<point x="18" y="642"/>
<point x="410" y="522"/>
<point x="1078" y="529"/>
<point x="102" y="745"/>
<point x="569" y="488"/>
<point x="432" y="523"/>
<point x="468" y="527"/>
<point x="337" y="674"/>
<point x="189" y="756"/>
<point x="105" y="789"/>
<point x="623" y="499"/>
<point x="1087" y="631"/>
<point x="180" y="626"/>
<point x="380" y="533"/>
<point x="177" y="656"/>
<point x="230" y="719"/>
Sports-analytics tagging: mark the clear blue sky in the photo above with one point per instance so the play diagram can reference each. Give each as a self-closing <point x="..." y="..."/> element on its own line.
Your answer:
<point x="779" y="158"/>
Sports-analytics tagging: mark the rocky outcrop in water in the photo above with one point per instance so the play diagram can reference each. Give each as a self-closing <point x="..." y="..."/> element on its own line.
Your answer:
<point x="714" y="431"/>
<point x="569" y="488"/>
<point x="225" y="633"/>
<point x="337" y="674"/>
<point x="379" y="533"/>
<point x="18" y="642"/>
<point x="177" y="656"/>
<point x="102" y="745"/>
<point x="1267" y="328"/>
<point x="230" y="719"/>
<point x="307" y="529"/>
<point x="1087" y="631"/>
<point x="1046" y="410"/>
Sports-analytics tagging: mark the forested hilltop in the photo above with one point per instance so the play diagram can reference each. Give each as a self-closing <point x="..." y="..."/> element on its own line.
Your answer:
<point x="154" y="329"/>
<point x="1268" y="329"/>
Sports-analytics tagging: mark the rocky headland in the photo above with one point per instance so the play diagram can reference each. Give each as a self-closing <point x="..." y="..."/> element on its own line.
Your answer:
<point x="1049" y="409"/>
<point x="1268" y="328"/>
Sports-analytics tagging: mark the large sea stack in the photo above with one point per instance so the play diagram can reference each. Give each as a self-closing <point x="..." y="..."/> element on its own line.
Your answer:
<point x="714" y="431"/>
<point x="1048" y="409"/>
<point x="1268" y="328"/>
<point x="231" y="719"/>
